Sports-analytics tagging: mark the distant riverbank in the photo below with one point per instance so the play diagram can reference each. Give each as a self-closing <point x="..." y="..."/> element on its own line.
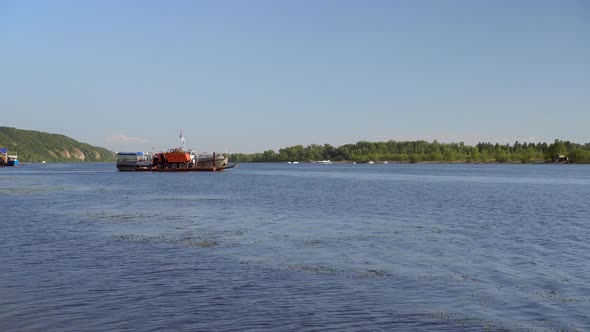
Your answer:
<point x="426" y="152"/>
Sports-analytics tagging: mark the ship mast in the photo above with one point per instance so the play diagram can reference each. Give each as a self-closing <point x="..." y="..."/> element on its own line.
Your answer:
<point x="182" y="140"/>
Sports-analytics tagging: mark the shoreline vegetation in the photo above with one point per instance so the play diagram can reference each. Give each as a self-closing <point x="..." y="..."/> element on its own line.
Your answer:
<point x="426" y="152"/>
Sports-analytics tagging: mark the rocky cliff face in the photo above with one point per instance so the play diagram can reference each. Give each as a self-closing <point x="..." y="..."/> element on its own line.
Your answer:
<point x="77" y="154"/>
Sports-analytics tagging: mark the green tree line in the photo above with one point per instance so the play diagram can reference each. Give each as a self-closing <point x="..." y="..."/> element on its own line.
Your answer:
<point x="36" y="146"/>
<point x="423" y="151"/>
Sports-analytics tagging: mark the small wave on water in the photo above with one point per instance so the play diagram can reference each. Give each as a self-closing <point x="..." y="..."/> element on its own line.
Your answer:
<point x="191" y="198"/>
<point x="334" y="270"/>
<point x="125" y="217"/>
<point x="33" y="190"/>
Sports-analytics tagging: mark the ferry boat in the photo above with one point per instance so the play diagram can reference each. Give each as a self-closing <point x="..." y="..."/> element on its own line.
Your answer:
<point x="174" y="160"/>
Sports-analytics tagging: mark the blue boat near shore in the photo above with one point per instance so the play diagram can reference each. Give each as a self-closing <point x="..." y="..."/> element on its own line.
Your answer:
<point x="12" y="160"/>
<point x="8" y="159"/>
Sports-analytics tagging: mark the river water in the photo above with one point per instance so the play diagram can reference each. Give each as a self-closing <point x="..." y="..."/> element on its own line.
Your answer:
<point x="300" y="247"/>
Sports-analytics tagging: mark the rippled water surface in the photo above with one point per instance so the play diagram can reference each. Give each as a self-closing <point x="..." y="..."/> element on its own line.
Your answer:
<point x="296" y="247"/>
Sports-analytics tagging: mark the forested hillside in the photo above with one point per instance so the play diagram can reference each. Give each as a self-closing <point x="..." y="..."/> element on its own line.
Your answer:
<point x="422" y="151"/>
<point x="36" y="146"/>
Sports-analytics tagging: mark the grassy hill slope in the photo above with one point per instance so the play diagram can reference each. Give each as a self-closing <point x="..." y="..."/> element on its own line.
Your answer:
<point x="36" y="146"/>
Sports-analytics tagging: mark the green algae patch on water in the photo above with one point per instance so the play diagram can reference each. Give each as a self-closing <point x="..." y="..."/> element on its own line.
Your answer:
<point x="194" y="238"/>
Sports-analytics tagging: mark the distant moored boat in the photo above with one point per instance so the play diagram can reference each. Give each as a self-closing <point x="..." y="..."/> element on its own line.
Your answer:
<point x="12" y="160"/>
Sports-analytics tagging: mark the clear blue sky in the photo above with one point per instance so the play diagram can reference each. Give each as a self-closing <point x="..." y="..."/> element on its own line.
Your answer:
<point x="256" y="75"/>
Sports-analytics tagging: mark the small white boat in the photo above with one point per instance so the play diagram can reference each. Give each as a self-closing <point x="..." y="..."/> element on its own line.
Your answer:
<point x="324" y="162"/>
